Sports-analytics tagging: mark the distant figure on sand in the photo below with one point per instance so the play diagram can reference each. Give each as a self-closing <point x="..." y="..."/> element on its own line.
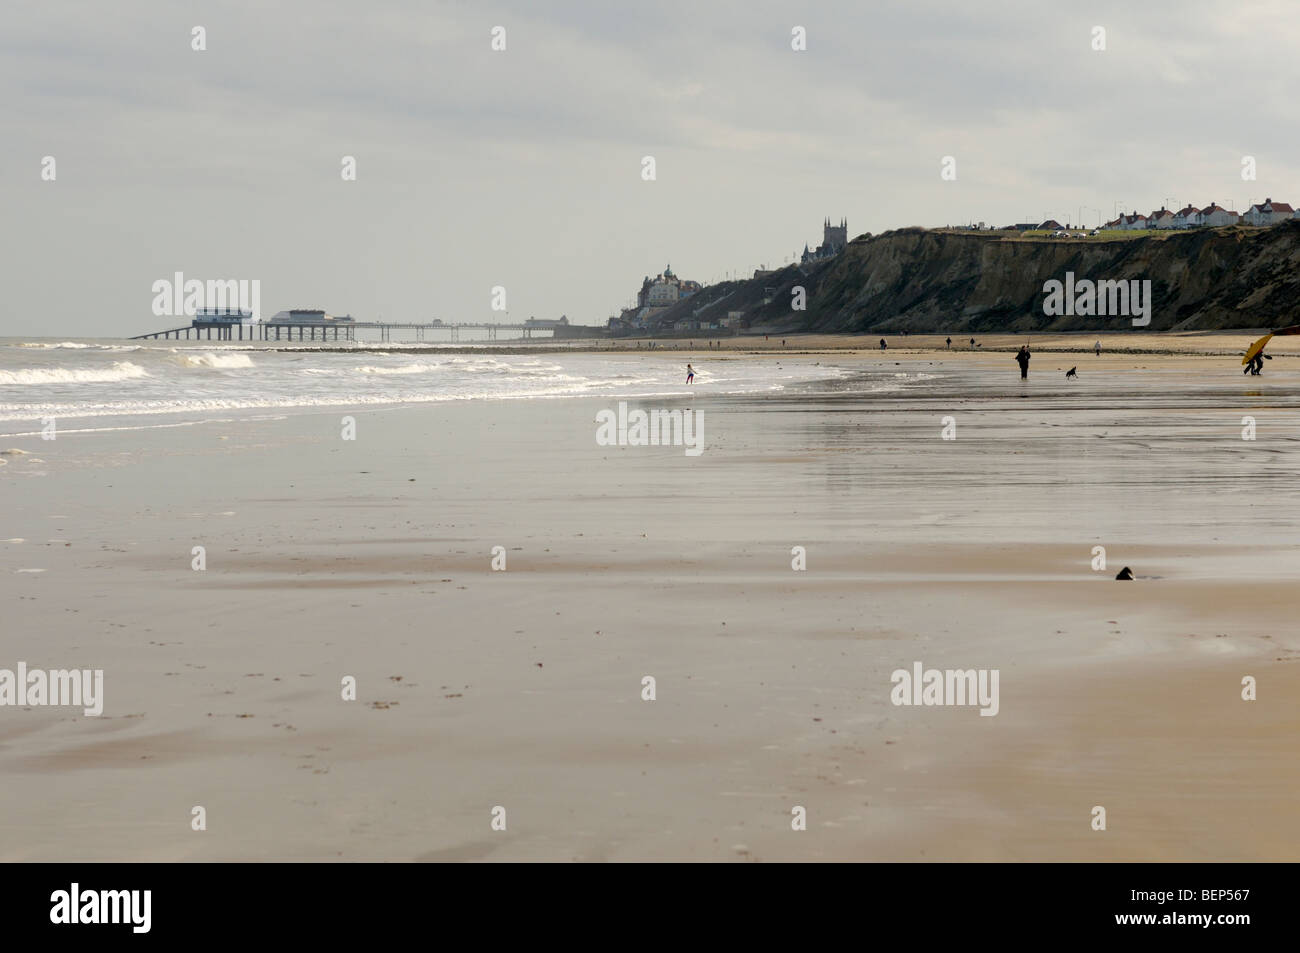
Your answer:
<point x="690" y="374"/>
<point x="883" y="345"/>
<point x="1125" y="574"/>
<point x="972" y="344"/>
<point x="1097" y="348"/>
<point x="1022" y="358"/>
<point x="950" y="344"/>
<point x="1072" y="372"/>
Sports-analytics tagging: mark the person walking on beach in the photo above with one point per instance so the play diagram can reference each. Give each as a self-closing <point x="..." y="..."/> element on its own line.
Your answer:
<point x="690" y="374"/>
<point x="1022" y="359"/>
<point x="1097" y="348"/>
<point x="883" y="345"/>
<point x="950" y="344"/>
<point x="972" y="344"/>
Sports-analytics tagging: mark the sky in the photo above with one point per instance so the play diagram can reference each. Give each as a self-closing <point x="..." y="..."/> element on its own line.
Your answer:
<point x="523" y="168"/>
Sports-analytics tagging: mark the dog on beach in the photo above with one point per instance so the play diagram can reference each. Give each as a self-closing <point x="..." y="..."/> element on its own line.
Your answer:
<point x="1072" y="372"/>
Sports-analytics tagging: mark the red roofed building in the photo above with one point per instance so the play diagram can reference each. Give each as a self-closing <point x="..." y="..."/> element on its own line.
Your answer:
<point x="1187" y="217"/>
<point x="1268" y="213"/>
<point x="1161" y="219"/>
<point x="1215" y="215"/>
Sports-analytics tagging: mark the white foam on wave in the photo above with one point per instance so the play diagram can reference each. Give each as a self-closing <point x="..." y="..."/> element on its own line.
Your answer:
<point x="400" y="369"/>
<point x="80" y="346"/>
<point x="119" y="371"/>
<point x="217" y="361"/>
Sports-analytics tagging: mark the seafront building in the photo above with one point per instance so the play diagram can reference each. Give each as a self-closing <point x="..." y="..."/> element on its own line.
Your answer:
<point x="664" y="290"/>
<point x="656" y="296"/>
<point x="1268" y="212"/>
<point x="308" y="316"/>
<point x="1213" y="215"/>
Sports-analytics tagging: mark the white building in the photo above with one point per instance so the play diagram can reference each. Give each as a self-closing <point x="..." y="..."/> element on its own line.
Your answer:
<point x="1161" y="219"/>
<point x="1268" y="213"/>
<point x="661" y="293"/>
<point x="1187" y="217"/>
<point x="1215" y="214"/>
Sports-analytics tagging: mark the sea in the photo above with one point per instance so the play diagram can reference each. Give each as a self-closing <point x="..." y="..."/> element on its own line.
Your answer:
<point x="84" y="379"/>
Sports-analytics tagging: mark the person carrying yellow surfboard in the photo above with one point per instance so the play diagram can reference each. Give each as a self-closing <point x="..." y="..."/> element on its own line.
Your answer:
<point x="1253" y="362"/>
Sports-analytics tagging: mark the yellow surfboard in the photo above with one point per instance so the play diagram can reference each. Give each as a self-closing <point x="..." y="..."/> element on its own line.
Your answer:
<point x="1255" y="348"/>
<point x="1259" y="345"/>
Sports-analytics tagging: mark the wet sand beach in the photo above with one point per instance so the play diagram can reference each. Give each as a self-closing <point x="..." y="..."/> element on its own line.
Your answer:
<point x="522" y="688"/>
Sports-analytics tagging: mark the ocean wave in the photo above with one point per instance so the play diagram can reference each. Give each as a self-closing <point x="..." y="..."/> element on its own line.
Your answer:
<point x="119" y="371"/>
<point x="399" y="369"/>
<point x="136" y="408"/>
<point x="209" y="359"/>
<point x="79" y="346"/>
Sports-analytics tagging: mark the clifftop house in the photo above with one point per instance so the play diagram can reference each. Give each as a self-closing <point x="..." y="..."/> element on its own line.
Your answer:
<point x="1162" y="219"/>
<point x="664" y="290"/>
<point x="1268" y="213"/>
<point x="1215" y="214"/>
<point x="1129" y="222"/>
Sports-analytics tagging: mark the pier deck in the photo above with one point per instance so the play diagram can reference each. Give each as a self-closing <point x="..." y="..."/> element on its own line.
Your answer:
<point x="271" y="330"/>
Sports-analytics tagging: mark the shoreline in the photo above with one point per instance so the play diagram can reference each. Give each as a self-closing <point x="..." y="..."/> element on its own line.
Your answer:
<point x="1204" y="344"/>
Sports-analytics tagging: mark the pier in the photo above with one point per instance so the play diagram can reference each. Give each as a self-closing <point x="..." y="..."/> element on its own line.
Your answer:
<point x="330" y="331"/>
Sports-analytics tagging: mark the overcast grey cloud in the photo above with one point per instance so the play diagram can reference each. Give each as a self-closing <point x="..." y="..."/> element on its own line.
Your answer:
<point x="522" y="168"/>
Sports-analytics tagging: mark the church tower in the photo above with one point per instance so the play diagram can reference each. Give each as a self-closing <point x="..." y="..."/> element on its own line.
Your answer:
<point x="835" y="237"/>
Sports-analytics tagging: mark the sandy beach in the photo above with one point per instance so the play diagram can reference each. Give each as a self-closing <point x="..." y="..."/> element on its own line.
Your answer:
<point x="522" y="688"/>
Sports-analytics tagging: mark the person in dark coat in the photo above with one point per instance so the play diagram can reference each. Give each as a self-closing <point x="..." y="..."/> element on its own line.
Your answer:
<point x="1022" y="358"/>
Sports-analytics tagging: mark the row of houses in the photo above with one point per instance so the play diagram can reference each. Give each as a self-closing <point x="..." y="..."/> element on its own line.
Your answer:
<point x="1267" y="212"/>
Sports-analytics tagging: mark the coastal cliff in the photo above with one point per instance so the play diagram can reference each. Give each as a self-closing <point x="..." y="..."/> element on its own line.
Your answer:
<point x="949" y="281"/>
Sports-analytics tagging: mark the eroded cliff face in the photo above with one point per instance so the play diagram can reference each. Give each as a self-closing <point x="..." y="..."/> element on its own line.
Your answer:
<point x="931" y="281"/>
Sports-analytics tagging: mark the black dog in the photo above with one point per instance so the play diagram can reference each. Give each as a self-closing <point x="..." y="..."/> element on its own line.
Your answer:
<point x="1071" y="372"/>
